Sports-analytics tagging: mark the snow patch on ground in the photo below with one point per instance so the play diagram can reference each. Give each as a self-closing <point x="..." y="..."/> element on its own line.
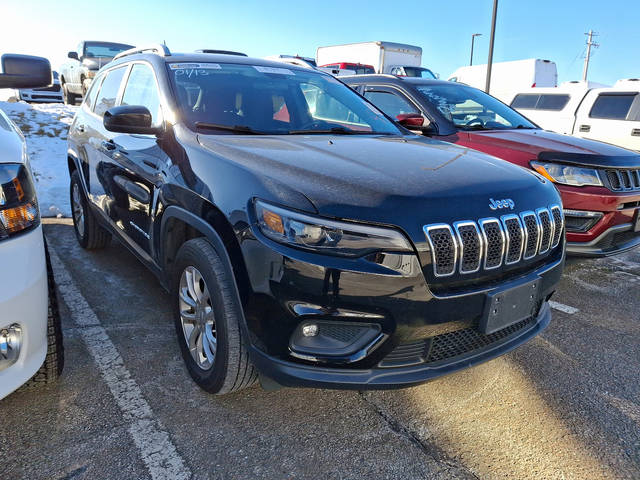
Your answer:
<point x="45" y="127"/>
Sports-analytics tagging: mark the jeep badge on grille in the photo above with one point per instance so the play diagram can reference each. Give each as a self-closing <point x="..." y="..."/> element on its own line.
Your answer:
<point x="504" y="203"/>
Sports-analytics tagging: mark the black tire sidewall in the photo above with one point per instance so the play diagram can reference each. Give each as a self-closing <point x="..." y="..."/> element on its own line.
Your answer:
<point x="83" y="240"/>
<point x="191" y="254"/>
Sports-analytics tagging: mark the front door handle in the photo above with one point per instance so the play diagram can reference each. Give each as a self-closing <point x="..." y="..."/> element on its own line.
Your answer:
<point x="108" y="145"/>
<point x="80" y="128"/>
<point x="585" y="128"/>
<point x="635" y="132"/>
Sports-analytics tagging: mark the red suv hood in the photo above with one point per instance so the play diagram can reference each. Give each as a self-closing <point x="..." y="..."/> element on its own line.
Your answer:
<point x="573" y="149"/>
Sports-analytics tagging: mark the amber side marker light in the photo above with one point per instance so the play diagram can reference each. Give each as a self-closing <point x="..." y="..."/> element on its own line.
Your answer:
<point x="273" y="221"/>
<point x="542" y="171"/>
<point x="18" y="218"/>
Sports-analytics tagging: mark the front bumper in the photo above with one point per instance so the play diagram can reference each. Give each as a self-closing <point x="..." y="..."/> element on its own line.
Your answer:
<point x="423" y="333"/>
<point x="23" y="301"/>
<point x="613" y="232"/>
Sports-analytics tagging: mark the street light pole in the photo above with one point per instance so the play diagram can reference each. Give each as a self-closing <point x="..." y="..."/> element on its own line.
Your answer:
<point x="493" y="36"/>
<point x="473" y="37"/>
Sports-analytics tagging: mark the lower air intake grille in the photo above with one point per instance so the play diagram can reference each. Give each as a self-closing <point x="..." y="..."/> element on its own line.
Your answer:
<point x="449" y="345"/>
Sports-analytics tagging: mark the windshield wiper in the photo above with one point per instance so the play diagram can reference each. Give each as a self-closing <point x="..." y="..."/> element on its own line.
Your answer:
<point x="231" y="128"/>
<point x="525" y="127"/>
<point x="477" y="126"/>
<point x="334" y="130"/>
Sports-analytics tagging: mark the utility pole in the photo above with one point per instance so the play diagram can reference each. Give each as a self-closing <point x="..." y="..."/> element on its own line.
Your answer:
<point x="493" y="36"/>
<point x="590" y="43"/>
<point x="473" y="37"/>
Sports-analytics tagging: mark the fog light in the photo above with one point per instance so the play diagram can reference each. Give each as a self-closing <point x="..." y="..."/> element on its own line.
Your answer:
<point x="310" y="330"/>
<point x="10" y="343"/>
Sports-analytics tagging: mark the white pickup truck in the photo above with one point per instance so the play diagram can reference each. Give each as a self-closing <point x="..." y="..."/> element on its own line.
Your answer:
<point x="608" y="114"/>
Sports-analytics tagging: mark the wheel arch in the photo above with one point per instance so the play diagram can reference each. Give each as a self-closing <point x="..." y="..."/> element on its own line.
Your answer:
<point x="179" y="225"/>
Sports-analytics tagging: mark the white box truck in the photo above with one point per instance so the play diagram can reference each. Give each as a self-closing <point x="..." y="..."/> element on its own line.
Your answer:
<point x="508" y="78"/>
<point x="385" y="57"/>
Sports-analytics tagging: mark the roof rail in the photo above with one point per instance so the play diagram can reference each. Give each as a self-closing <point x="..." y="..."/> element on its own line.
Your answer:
<point x="221" y="52"/>
<point x="156" y="48"/>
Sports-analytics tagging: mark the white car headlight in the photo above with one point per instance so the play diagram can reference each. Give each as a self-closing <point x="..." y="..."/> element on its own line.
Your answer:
<point x="324" y="235"/>
<point x="568" y="174"/>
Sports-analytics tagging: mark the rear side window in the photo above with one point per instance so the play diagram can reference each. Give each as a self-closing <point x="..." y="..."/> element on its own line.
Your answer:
<point x="142" y="90"/>
<point x="534" y="101"/>
<point x="390" y="103"/>
<point x="612" y="106"/>
<point x="109" y="91"/>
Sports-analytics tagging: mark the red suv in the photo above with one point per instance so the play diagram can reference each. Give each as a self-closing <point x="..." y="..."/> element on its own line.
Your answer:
<point x="599" y="183"/>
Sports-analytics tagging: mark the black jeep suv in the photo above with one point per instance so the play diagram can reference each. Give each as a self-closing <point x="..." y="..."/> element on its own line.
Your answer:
<point x="302" y="233"/>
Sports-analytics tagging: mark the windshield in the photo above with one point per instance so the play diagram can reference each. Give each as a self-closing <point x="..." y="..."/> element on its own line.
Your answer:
<point x="104" y="50"/>
<point x="471" y="109"/>
<point x="420" y="72"/>
<point x="246" y="99"/>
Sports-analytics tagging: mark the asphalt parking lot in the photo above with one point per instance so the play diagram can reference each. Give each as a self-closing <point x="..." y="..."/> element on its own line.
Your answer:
<point x="565" y="405"/>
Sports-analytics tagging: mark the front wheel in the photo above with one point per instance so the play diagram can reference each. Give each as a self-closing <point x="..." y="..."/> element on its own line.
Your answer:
<point x="68" y="97"/>
<point x="90" y="234"/>
<point x="207" y="321"/>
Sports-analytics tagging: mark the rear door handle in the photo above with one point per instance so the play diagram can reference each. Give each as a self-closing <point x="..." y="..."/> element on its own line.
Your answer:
<point x="108" y="145"/>
<point x="585" y="128"/>
<point x="635" y="132"/>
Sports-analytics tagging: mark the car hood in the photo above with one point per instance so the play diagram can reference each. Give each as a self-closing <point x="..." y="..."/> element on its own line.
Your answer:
<point x="554" y="146"/>
<point x="407" y="181"/>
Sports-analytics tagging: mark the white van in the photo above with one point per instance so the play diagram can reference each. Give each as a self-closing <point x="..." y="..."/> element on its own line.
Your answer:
<point x="508" y="78"/>
<point x="608" y="114"/>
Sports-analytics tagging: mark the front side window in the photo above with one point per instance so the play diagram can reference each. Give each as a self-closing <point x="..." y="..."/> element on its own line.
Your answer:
<point x="273" y="100"/>
<point x="390" y="103"/>
<point x="612" y="106"/>
<point x="468" y="108"/>
<point x="141" y="89"/>
<point x="109" y="90"/>
<point x="90" y="97"/>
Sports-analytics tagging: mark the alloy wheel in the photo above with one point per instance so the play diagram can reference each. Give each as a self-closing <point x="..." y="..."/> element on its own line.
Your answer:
<point x="78" y="209"/>
<point x="197" y="318"/>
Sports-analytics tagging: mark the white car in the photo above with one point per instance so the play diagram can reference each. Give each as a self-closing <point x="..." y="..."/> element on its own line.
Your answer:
<point x="52" y="93"/>
<point x="607" y="114"/>
<point x="30" y="331"/>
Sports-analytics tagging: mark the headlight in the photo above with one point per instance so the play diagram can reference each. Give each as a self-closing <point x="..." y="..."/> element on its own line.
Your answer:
<point x="568" y="174"/>
<point x="18" y="204"/>
<point x="324" y="235"/>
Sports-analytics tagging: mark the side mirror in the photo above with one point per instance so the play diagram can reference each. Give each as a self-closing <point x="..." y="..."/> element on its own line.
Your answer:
<point x="25" y="71"/>
<point x="129" y="119"/>
<point x="415" y="121"/>
<point x="73" y="55"/>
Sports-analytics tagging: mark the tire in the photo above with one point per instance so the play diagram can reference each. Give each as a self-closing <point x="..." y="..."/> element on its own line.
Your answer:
<point x="230" y="368"/>
<point x="68" y="97"/>
<point x="90" y="234"/>
<point x="53" y="364"/>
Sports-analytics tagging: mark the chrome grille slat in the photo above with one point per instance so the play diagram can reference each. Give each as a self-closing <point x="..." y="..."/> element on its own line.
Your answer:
<point x="531" y="234"/>
<point x="558" y="225"/>
<point x="494" y="242"/>
<point x="515" y="238"/>
<point x="546" y="230"/>
<point x="470" y="246"/>
<point x="444" y="249"/>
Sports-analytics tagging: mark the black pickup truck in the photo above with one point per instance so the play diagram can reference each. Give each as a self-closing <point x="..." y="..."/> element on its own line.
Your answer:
<point x="76" y="75"/>
<point x="302" y="234"/>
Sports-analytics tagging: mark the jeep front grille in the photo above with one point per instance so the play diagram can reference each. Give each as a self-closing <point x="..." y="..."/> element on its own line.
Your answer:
<point x="623" y="180"/>
<point x="490" y="242"/>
